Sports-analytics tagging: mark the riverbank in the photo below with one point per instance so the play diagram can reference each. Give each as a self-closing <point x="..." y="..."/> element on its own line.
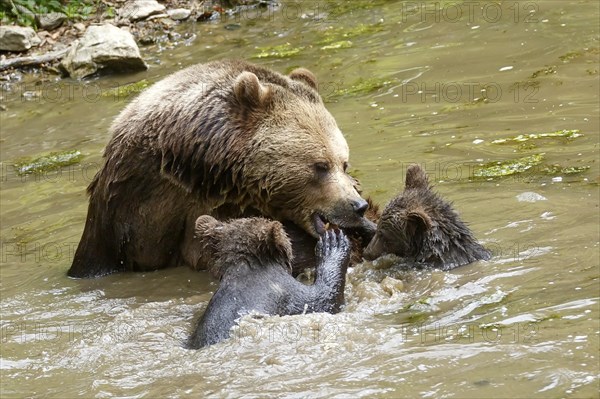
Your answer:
<point x="52" y="41"/>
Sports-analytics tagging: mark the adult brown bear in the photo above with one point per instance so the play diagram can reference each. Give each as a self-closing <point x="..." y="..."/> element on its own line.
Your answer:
<point x="229" y="139"/>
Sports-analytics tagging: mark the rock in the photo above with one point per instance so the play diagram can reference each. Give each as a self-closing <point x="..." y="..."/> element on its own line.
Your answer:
<point x="530" y="196"/>
<point x="79" y="26"/>
<point x="17" y="38"/>
<point x="179" y="14"/>
<point x="158" y="16"/>
<point x="103" y="47"/>
<point x="167" y="23"/>
<point x="59" y="46"/>
<point x="135" y="10"/>
<point x="50" y="21"/>
<point x="147" y="40"/>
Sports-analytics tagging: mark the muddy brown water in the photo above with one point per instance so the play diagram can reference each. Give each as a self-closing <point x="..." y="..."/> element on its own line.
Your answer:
<point x="405" y="81"/>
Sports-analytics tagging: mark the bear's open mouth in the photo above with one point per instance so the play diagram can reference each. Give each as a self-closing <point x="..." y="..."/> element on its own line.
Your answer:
<point x="320" y="223"/>
<point x="366" y="229"/>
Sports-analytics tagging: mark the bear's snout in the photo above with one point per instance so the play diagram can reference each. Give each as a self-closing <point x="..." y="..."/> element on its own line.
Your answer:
<point x="359" y="206"/>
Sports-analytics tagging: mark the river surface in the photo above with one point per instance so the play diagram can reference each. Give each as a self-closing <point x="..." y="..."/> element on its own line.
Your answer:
<point x="445" y="84"/>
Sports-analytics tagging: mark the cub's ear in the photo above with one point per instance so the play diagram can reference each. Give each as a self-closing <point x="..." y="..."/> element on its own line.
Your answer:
<point x="418" y="223"/>
<point x="248" y="89"/>
<point x="204" y="224"/>
<point x="416" y="177"/>
<point x="279" y="244"/>
<point x="305" y="76"/>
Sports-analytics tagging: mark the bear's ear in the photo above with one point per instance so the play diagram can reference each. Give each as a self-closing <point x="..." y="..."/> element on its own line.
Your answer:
<point x="306" y="76"/>
<point x="416" y="177"/>
<point x="205" y="223"/>
<point x="418" y="223"/>
<point x="249" y="90"/>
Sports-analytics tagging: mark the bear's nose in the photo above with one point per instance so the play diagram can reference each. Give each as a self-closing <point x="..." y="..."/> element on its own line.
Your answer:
<point x="360" y="206"/>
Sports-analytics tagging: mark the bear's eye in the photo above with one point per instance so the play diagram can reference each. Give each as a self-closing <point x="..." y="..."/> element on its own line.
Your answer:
<point x="322" y="167"/>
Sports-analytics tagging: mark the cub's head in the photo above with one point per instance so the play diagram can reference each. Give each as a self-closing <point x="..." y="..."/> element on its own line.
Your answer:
<point x="298" y="159"/>
<point x="251" y="241"/>
<point x="423" y="227"/>
<point x="407" y="219"/>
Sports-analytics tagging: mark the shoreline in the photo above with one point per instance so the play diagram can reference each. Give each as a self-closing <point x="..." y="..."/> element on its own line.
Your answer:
<point x="140" y="26"/>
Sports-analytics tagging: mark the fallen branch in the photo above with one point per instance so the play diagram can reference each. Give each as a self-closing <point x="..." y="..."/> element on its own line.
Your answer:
<point x="33" y="59"/>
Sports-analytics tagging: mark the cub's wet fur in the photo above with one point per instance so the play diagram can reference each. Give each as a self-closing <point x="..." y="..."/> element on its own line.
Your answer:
<point x="422" y="227"/>
<point x="253" y="259"/>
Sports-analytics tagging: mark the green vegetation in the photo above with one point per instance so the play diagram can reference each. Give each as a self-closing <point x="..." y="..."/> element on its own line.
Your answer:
<point x="507" y="168"/>
<point x="417" y="311"/>
<point x="545" y="71"/>
<point x="476" y="102"/>
<point x="557" y="169"/>
<point x="571" y="55"/>
<point x="340" y="34"/>
<point x="122" y="92"/>
<point x="23" y="12"/>
<point x="281" y="51"/>
<point x="363" y="86"/>
<point x="567" y="134"/>
<point x="48" y="162"/>
<point x="338" y="45"/>
<point x="522" y="142"/>
<point x="417" y="317"/>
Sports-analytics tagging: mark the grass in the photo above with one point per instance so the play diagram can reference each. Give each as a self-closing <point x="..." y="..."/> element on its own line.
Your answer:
<point x="23" y="12"/>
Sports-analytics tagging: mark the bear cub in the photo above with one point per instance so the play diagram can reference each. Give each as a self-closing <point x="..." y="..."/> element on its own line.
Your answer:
<point x="253" y="259"/>
<point x="421" y="227"/>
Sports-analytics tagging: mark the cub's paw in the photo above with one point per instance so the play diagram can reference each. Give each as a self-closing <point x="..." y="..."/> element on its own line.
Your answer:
<point x="333" y="247"/>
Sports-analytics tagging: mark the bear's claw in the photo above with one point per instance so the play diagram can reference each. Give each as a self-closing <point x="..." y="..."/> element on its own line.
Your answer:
<point x="333" y="246"/>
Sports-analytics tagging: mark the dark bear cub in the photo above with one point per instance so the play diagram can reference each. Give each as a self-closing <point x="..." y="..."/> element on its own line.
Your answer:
<point x="422" y="227"/>
<point x="253" y="259"/>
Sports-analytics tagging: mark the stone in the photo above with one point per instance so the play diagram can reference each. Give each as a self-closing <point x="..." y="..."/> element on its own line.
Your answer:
<point x="147" y="40"/>
<point x="80" y="26"/>
<point x="179" y="14"/>
<point x="136" y="10"/>
<point x="158" y="16"/>
<point x="530" y="196"/>
<point x="18" y="38"/>
<point x="103" y="47"/>
<point x="50" y="21"/>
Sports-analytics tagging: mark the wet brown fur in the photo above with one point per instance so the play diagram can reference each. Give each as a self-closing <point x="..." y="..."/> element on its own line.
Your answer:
<point x="252" y="241"/>
<point x="422" y="227"/>
<point x="227" y="138"/>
